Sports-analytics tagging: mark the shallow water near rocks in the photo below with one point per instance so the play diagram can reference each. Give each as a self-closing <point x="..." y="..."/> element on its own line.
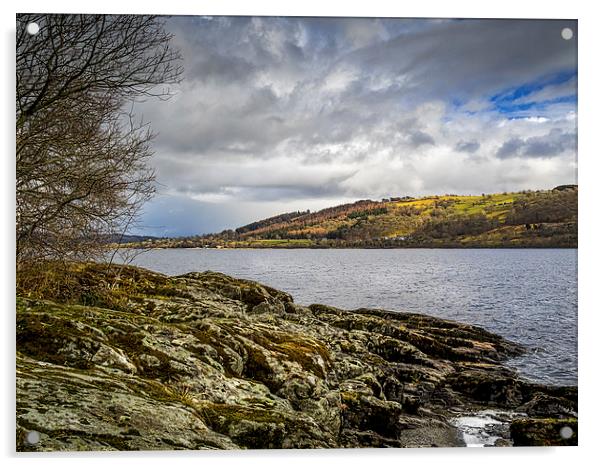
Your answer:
<point x="526" y="295"/>
<point x="484" y="428"/>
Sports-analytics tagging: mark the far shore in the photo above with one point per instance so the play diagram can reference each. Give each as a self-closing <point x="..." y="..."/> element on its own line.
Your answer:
<point x="126" y="246"/>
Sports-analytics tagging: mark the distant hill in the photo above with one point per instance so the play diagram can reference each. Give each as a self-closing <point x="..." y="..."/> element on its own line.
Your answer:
<point x="520" y="219"/>
<point x="129" y="238"/>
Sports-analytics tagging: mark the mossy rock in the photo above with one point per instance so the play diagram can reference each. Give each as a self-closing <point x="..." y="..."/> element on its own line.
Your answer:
<point x="251" y="427"/>
<point x="544" y="432"/>
<point x="145" y="361"/>
<point x="249" y="292"/>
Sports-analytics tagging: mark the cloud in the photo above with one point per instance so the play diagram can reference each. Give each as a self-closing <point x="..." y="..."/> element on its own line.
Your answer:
<point x="555" y="143"/>
<point x="419" y="138"/>
<point x="510" y="148"/>
<point x="311" y="111"/>
<point x="467" y="146"/>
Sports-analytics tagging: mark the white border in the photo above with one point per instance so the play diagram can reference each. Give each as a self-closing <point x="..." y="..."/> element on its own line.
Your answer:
<point x="425" y="8"/>
<point x="590" y="193"/>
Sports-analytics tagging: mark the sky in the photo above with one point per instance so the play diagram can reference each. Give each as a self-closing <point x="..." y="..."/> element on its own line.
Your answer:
<point x="282" y="114"/>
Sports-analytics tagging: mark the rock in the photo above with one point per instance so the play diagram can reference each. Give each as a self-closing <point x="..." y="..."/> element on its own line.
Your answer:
<point x="502" y="442"/>
<point x="205" y="361"/>
<point x="97" y="410"/>
<point x="496" y="386"/>
<point x="546" y="405"/>
<point x="111" y="357"/>
<point x="544" y="432"/>
<point x="266" y="307"/>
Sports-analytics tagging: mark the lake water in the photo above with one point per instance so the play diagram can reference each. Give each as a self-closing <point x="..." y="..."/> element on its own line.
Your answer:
<point x="526" y="295"/>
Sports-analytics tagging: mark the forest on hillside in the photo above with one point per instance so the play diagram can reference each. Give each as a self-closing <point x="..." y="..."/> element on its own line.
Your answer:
<point x="521" y="219"/>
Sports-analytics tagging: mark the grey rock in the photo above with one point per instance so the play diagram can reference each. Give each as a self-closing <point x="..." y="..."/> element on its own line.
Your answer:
<point x="206" y="361"/>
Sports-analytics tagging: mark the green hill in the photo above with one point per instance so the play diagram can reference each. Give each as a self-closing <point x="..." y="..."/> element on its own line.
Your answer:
<point x="520" y="219"/>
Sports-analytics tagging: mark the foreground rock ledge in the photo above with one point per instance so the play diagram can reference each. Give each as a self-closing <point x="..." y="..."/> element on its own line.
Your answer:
<point x="207" y="361"/>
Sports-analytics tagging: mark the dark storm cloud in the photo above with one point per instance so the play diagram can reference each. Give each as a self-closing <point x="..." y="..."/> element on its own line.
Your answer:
<point x="323" y="108"/>
<point x="464" y="59"/>
<point x="179" y="215"/>
<point x="290" y="192"/>
<point x="262" y="186"/>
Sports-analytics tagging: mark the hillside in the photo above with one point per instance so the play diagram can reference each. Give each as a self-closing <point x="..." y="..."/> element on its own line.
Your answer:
<point x="520" y="219"/>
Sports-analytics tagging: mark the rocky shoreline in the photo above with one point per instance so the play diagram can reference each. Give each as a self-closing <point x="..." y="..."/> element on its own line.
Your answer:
<point x="127" y="359"/>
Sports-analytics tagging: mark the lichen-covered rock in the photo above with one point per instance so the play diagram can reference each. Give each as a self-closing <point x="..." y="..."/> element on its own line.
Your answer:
<point x="100" y="409"/>
<point x="209" y="361"/>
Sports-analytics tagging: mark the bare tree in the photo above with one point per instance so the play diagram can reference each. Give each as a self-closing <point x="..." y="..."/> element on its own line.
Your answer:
<point x="82" y="171"/>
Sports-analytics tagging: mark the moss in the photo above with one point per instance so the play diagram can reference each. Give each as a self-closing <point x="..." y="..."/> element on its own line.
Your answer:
<point x="222" y="415"/>
<point x="45" y="337"/>
<point x="350" y="397"/>
<point x="305" y="354"/>
<point x="257" y="367"/>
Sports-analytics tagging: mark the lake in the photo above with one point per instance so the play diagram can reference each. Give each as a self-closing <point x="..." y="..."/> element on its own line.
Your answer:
<point x="526" y="295"/>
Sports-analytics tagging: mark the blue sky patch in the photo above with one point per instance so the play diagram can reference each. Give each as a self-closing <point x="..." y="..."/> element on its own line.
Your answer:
<point x="506" y="101"/>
